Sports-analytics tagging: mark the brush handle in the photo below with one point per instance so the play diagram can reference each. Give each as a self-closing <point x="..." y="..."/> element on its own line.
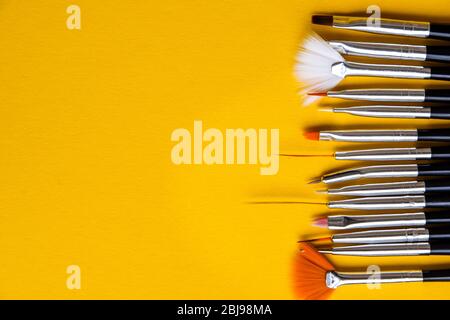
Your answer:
<point x="440" y="153"/>
<point x="439" y="248"/>
<point x="437" y="95"/>
<point x="438" y="53"/>
<point x="436" y="275"/>
<point x="439" y="113"/>
<point x="433" y="134"/>
<point x="437" y="186"/>
<point x="433" y="201"/>
<point x="439" y="31"/>
<point x="439" y="234"/>
<point x="440" y="73"/>
<point x="433" y="170"/>
<point x="437" y="218"/>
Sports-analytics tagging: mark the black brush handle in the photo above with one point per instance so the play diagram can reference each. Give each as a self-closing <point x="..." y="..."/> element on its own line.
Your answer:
<point x="437" y="95"/>
<point x="439" y="31"/>
<point x="437" y="186"/>
<point x="433" y="135"/>
<point x="439" y="234"/>
<point x="438" y="53"/>
<point x="440" y="73"/>
<point x="437" y="248"/>
<point x="439" y="113"/>
<point x="436" y="170"/>
<point x="437" y="218"/>
<point x="440" y="153"/>
<point x="434" y="201"/>
<point x="436" y="275"/>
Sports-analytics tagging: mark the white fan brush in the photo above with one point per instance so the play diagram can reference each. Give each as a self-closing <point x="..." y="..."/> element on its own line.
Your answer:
<point x="314" y="62"/>
<point x="320" y="68"/>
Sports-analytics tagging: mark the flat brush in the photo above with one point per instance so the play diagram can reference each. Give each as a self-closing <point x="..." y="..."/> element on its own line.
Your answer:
<point x="393" y="95"/>
<point x="404" y="112"/>
<point x="416" y="219"/>
<point x="390" y="154"/>
<point x="391" y="249"/>
<point x="387" y="171"/>
<point x="392" y="50"/>
<point x="411" y="135"/>
<point x="386" y="26"/>
<point x="320" y="67"/>
<point x="390" y="188"/>
<point x="315" y="277"/>
<point x="391" y="236"/>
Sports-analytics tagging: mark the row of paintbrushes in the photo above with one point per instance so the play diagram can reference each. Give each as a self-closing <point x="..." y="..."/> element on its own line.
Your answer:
<point x="321" y="67"/>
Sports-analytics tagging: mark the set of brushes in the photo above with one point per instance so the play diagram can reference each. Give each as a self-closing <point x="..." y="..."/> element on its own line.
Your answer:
<point x="316" y="277"/>
<point x="320" y="67"/>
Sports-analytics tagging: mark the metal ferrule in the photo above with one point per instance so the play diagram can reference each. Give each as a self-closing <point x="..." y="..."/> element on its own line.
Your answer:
<point x="383" y="171"/>
<point x="388" y="154"/>
<point x="383" y="26"/>
<point x="404" y="112"/>
<point x="369" y="135"/>
<point x="336" y="279"/>
<point x="395" y="95"/>
<point x="380" y="203"/>
<point x="383" y="236"/>
<point x="382" y="250"/>
<point x="341" y="222"/>
<point x="344" y="69"/>
<point x="380" y="50"/>
<point x="380" y="189"/>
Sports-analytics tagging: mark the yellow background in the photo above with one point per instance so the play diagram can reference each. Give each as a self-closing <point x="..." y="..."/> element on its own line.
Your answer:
<point x="86" y="174"/>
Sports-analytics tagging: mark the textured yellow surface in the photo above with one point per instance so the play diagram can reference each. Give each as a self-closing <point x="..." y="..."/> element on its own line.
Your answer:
<point x="86" y="175"/>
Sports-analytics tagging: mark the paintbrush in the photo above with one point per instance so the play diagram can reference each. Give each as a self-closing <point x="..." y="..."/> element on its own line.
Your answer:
<point x="395" y="27"/>
<point x="315" y="277"/>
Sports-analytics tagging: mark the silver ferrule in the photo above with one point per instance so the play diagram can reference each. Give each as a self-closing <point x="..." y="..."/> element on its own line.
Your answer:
<point x="382" y="171"/>
<point x="344" y="69"/>
<point x="388" y="154"/>
<point x="336" y="279"/>
<point x="394" y="95"/>
<point x="383" y="236"/>
<point x="382" y="250"/>
<point x="404" y="112"/>
<point x="380" y="189"/>
<point x="380" y="50"/>
<point x="383" y="26"/>
<point x="369" y="135"/>
<point x="380" y="203"/>
<point x="348" y="222"/>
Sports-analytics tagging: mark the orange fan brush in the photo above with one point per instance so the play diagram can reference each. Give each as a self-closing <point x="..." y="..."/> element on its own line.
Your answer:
<point x="310" y="274"/>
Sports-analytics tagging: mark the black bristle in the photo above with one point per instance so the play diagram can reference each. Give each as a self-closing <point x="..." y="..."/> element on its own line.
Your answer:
<point x="322" y="20"/>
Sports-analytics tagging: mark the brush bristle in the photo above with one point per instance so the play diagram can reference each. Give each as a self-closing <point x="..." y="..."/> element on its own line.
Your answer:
<point x="312" y="135"/>
<point x="321" y="222"/>
<point x="310" y="274"/>
<point x="313" y="68"/>
<point x="322" y="20"/>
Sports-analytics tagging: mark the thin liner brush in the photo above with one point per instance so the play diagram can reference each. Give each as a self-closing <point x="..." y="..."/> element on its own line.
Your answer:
<point x="316" y="278"/>
<point x="386" y="171"/>
<point x="403" y="112"/>
<point x="396" y="27"/>
<point x="386" y="220"/>
<point x="391" y="249"/>
<point x="320" y="67"/>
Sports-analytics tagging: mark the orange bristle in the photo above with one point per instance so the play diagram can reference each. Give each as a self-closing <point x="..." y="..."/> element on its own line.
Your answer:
<point x="318" y="94"/>
<point x="313" y="135"/>
<point x="310" y="274"/>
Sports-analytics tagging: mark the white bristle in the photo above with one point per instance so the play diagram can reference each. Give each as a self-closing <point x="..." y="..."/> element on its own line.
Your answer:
<point x="313" y="68"/>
